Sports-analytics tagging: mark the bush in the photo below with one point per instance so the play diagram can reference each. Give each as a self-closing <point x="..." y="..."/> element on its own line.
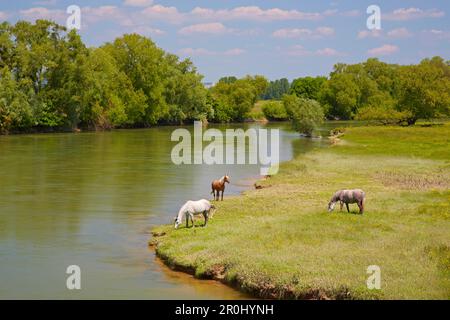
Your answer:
<point x="274" y="110"/>
<point x="306" y="114"/>
<point x="382" y="115"/>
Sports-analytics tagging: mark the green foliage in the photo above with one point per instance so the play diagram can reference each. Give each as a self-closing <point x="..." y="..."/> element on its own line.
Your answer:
<point x="382" y="115"/>
<point x="339" y="96"/>
<point x="234" y="100"/>
<point x="15" y="112"/>
<point x="229" y="79"/>
<point x="425" y="89"/>
<point x="307" y="87"/>
<point x="388" y="93"/>
<point x="274" y="110"/>
<point x="51" y="80"/>
<point x="276" y="89"/>
<point x="306" y="114"/>
<point x="185" y="93"/>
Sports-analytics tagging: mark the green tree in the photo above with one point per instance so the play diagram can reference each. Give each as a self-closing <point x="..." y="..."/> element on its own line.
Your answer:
<point x="307" y="87"/>
<point x="425" y="89"/>
<point x="306" y="114"/>
<point x="234" y="100"/>
<point x="276" y="89"/>
<point x="106" y="103"/>
<point x="185" y="93"/>
<point x="229" y="79"/>
<point x="145" y="65"/>
<point x="15" y="112"/>
<point x="274" y="110"/>
<point x="340" y="96"/>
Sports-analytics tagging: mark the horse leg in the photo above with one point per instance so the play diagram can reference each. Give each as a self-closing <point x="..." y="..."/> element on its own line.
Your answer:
<point x="205" y="214"/>
<point x="341" y="204"/>
<point x="217" y="195"/>
<point x="187" y="221"/>
<point x="348" y="209"/>
<point x="222" y="194"/>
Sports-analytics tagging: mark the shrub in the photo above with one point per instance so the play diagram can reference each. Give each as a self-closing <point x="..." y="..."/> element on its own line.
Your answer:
<point x="383" y="115"/>
<point x="274" y="110"/>
<point x="306" y="114"/>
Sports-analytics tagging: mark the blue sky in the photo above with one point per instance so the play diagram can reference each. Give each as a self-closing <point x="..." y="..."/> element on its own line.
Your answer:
<point x="273" y="38"/>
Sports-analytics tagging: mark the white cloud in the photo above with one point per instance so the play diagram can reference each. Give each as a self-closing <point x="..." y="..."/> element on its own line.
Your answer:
<point x="300" y="51"/>
<point x="392" y="34"/>
<point x="205" y="52"/>
<point x="45" y="2"/>
<point x="437" y="34"/>
<point x="404" y="14"/>
<point x="159" y="12"/>
<point x="329" y="52"/>
<point x="352" y="13"/>
<point x="253" y="13"/>
<point x="138" y="3"/>
<point x="96" y="14"/>
<point x="36" y="13"/>
<point x="399" y="33"/>
<point x="384" y="50"/>
<point x="148" y="31"/>
<point x="3" y="15"/>
<point x="195" y="52"/>
<point x="335" y="12"/>
<point x="234" y="52"/>
<point x="369" y="34"/>
<point x="205" y="28"/>
<point x="304" y="33"/>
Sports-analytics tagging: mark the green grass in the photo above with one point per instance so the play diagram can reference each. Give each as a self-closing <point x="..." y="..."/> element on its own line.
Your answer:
<point x="280" y="242"/>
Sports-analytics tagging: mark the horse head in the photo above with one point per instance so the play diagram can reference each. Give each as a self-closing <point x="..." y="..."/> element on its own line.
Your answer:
<point x="226" y="179"/>
<point x="177" y="222"/>
<point x="331" y="206"/>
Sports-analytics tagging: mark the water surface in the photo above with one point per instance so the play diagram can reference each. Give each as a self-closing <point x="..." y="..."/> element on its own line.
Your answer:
<point x="90" y="199"/>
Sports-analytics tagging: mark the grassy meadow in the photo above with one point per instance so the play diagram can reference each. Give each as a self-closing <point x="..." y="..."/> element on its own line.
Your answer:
<point x="280" y="242"/>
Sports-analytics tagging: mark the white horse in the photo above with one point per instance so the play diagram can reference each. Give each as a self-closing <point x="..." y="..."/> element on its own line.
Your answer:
<point x="193" y="208"/>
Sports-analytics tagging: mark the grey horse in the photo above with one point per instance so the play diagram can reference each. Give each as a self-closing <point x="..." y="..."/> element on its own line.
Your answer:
<point x="348" y="196"/>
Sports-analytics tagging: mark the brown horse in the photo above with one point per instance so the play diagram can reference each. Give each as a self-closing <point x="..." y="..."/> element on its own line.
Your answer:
<point x="218" y="186"/>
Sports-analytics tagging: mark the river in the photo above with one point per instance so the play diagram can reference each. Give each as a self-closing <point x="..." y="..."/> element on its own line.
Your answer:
<point x="90" y="199"/>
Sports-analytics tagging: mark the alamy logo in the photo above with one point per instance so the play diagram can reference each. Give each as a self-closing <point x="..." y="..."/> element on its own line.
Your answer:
<point x="73" y="281"/>
<point x="374" y="280"/>
<point x="230" y="149"/>
<point x="74" y="20"/>
<point x="374" y="20"/>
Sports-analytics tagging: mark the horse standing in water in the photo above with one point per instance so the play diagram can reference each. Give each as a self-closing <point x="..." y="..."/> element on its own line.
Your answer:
<point x="348" y="196"/>
<point x="219" y="186"/>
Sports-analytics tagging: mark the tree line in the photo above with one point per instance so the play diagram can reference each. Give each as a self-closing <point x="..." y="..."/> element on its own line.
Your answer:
<point x="374" y="90"/>
<point x="50" y="80"/>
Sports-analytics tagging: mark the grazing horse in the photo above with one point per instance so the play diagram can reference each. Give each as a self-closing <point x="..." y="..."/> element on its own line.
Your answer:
<point x="218" y="186"/>
<point x="193" y="208"/>
<point x="348" y="196"/>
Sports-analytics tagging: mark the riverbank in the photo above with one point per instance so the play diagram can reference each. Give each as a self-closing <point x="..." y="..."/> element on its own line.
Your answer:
<point x="280" y="242"/>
